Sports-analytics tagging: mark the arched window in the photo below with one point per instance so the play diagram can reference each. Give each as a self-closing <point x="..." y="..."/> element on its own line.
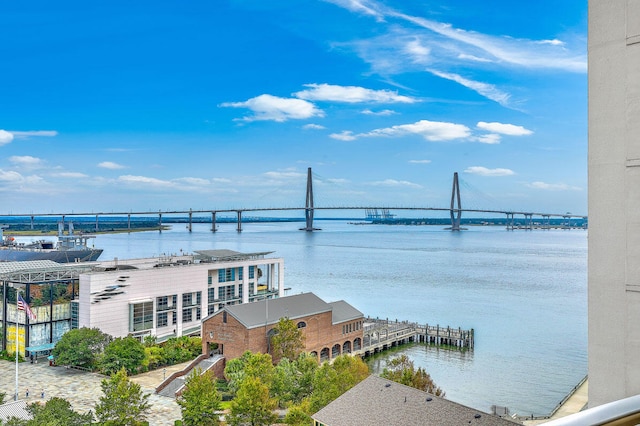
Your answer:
<point x="302" y="324"/>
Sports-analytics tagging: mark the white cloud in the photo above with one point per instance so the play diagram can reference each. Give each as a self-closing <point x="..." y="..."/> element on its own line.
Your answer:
<point x="383" y="112"/>
<point x="110" y="165"/>
<point x="553" y="186"/>
<point x="70" y="175"/>
<point x="193" y="181"/>
<point x="45" y="133"/>
<point x="487" y="90"/>
<point x="221" y="180"/>
<point x="433" y="131"/>
<point x="26" y="161"/>
<point x="5" y="137"/>
<point x="10" y="176"/>
<point x="395" y="183"/>
<point x="491" y="139"/>
<point x="345" y="135"/>
<point x="312" y="126"/>
<point x="131" y="179"/>
<point x="504" y="129"/>
<point x="483" y="171"/>
<point x="350" y="94"/>
<point x="467" y="57"/>
<point x="273" y="108"/>
<point x="359" y="6"/>
<point x="284" y="175"/>
<point x="419" y="161"/>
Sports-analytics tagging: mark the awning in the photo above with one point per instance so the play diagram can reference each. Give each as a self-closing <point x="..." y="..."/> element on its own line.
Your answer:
<point x="40" y="348"/>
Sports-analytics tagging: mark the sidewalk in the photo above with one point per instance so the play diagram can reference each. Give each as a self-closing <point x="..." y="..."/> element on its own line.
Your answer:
<point x="83" y="389"/>
<point x="574" y="404"/>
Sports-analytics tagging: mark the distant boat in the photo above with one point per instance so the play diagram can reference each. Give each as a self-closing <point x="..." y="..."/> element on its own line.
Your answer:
<point x="69" y="248"/>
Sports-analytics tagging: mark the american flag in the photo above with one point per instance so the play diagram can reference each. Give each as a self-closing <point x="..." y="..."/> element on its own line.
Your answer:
<point x="24" y="306"/>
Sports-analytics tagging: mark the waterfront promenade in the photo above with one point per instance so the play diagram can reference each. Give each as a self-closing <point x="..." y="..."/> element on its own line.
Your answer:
<point x="82" y="389"/>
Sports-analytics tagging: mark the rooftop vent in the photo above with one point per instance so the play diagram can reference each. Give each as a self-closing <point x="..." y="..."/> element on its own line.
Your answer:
<point x="387" y="385"/>
<point x="429" y="399"/>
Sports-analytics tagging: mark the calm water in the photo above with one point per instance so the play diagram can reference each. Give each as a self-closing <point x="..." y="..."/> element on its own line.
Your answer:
<point x="524" y="293"/>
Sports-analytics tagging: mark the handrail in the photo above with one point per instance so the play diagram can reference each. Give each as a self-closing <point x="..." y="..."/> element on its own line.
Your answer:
<point x="623" y="412"/>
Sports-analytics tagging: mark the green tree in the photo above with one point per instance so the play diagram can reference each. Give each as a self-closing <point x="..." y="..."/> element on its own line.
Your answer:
<point x="80" y="347"/>
<point x="287" y="340"/>
<point x="153" y="357"/>
<point x="123" y="402"/>
<point x="127" y="353"/>
<point x="200" y="400"/>
<point x="293" y="380"/>
<point x="252" y="405"/>
<point x="332" y="380"/>
<point x="56" y="412"/>
<point x="250" y="364"/>
<point x="181" y="349"/>
<point x="297" y="415"/>
<point x="402" y="370"/>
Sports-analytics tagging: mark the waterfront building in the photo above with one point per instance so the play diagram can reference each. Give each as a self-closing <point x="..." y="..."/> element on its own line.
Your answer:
<point x="614" y="200"/>
<point x="162" y="297"/>
<point x="330" y="329"/>
<point x="168" y="296"/>
<point x="50" y="289"/>
<point x="380" y="401"/>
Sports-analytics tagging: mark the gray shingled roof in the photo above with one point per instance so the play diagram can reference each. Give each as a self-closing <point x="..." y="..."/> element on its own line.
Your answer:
<point x="14" y="409"/>
<point x="379" y="401"/>
<point x="342" y="311"/>
<point x="256" y="314"/>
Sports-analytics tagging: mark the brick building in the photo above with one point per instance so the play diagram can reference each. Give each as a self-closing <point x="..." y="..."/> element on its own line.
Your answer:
<point x="330" y="329"/>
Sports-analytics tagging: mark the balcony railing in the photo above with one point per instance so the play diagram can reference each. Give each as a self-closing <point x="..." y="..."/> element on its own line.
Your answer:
<point x="624" y="412"/>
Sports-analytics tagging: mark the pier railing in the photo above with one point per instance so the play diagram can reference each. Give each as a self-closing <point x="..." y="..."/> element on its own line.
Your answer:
<point x="380" y="334"/>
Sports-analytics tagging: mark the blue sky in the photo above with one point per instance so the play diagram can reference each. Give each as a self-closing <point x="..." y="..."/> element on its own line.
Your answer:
<point x="128" y="106"/>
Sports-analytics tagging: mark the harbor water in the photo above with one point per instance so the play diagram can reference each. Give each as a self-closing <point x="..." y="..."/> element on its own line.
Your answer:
<point x="524" y="293"/>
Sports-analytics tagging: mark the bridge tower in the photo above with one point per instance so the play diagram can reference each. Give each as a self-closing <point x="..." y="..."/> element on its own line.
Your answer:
<point x="456" y="213"/>
<point x="308" y="210"/>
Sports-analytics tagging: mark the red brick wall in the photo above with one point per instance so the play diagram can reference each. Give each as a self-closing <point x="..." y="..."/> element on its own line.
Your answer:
<point x="236" y="339"/>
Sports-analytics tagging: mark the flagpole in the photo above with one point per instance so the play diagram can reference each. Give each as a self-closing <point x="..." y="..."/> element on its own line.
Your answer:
<point x="17" y="342"/>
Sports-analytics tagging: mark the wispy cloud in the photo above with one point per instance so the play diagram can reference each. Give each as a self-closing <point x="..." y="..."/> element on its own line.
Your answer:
<point x="433" y="131"/>
<point x="504" y="129"/>
<point x="395" y="183"/>
<point x="70" y="175"/>
<point x="553" y="186"/>
<point x="7" y="136"/>
<point x="45" y="133"/>
<point x="419" y="161"/>
<point x="483" y="171"/>
<point x="110" y="165"/>
<point x="312" y="126"/>
<point x="345" y="135"/>
<point x="351" y="94"/>
<point x="147" y="181"/>
<point x="272" y="108"/>
<point x="383" y="112"/>
<point x="487" y="90"/>
<point x="26" y="161"/>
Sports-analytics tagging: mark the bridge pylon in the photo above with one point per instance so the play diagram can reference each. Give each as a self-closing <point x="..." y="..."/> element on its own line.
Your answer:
<point x="455" y="212"/>
<point x="308" y="209"/>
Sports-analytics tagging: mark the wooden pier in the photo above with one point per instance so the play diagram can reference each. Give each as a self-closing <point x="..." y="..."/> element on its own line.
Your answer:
<point x="380" y="335"/>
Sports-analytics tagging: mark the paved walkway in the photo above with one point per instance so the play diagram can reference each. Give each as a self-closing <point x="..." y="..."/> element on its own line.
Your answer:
<point x="82" y="389"/>
<point x="574" y="404"/>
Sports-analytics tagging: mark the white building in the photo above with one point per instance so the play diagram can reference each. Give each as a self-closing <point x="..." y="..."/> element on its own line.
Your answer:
<point x="614" y="200"/>
<point x="167" y="297"/>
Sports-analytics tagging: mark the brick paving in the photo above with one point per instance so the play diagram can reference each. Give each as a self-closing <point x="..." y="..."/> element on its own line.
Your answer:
<point x="82" y="389"/>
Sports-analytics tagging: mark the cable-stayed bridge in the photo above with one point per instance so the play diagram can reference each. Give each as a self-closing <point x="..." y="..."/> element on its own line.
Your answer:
<point x="455" y="211"/>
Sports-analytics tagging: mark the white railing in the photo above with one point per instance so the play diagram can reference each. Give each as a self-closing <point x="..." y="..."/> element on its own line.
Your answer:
<point x="619" y="413"/>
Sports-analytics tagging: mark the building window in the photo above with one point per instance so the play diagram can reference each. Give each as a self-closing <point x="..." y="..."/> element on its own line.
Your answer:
<point x="162" y="303"/>
<point x="162" y="319"/>
<point x="221" y="276"/>
<point x="174" y="318"/>
<point x="211" y="295"/>
<point x="198" y="314"/>
<point x="252" y="272"/>
<point x="186" y="299"/>
<point x="224" y="317"/>
<point x="211" y="309"/>
<point x="187" y="315"/>
<point x="230" y="274"/>
<point x="209" y="280"/>
<point x="140" y="316"/>
<point x="240" y="273"/>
